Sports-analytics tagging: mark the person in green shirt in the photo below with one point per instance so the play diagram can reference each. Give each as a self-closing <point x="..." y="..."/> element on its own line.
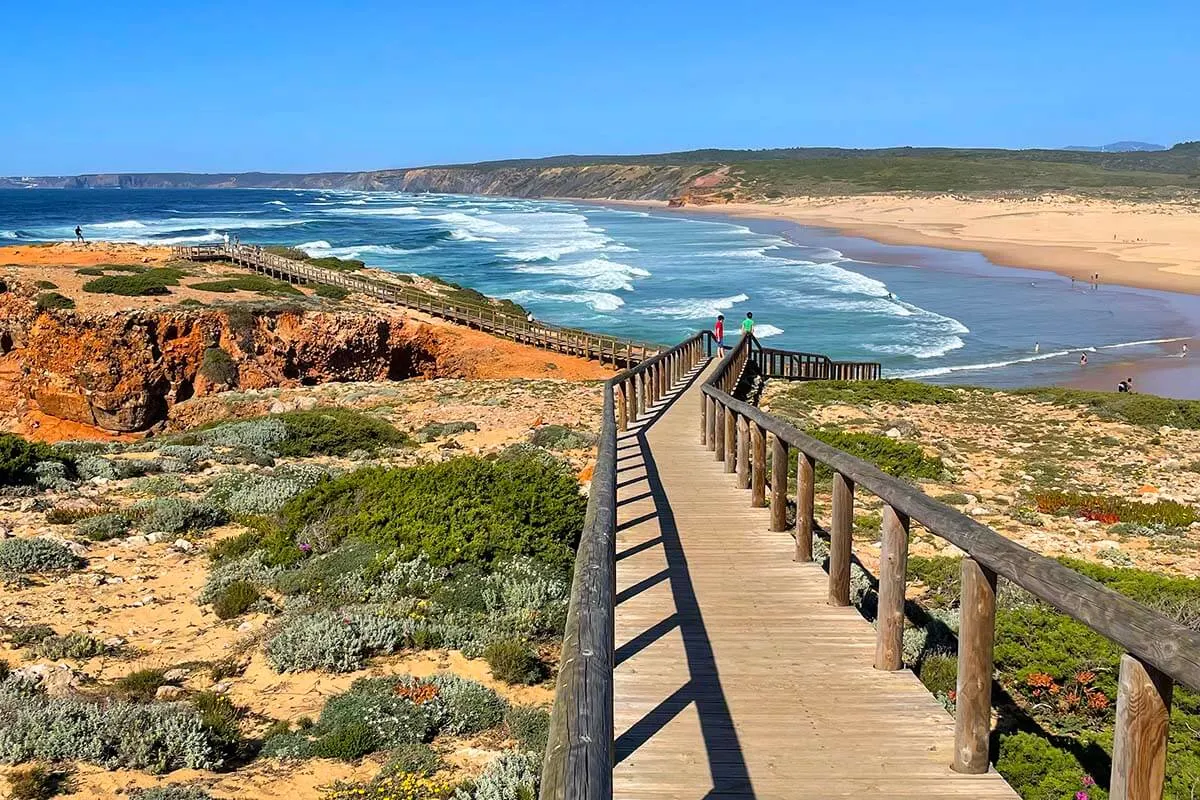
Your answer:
<point x="748" y="323"/>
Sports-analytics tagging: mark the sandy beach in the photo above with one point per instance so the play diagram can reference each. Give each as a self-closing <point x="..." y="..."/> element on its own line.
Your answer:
<point x="1146" y="245"/>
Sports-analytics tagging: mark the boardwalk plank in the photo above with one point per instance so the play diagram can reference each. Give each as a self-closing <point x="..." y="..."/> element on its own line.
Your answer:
<point x="735" y="678"/>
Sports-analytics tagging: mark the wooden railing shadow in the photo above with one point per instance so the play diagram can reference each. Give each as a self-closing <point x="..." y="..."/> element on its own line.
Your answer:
<point x="703" y="689"/>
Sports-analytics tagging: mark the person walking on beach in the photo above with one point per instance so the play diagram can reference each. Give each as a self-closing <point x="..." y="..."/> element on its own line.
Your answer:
<point x="1122" y="387"/>
<point x="1183" y="352"/>
<point x="79" y="235"/>
<point x="1083" y="359"/>
<point x="719" y="334"/>
<point x="748" y="323"/>
<point x="1129" y="384"/>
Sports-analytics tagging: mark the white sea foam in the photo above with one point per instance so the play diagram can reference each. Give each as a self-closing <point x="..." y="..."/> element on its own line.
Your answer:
<point x="1143" y="342"/>
<point x="123" y="225"/>
<point x="396" y="211"/>
<point x="202" y="238"/>
<point x="274" y="203"/>
<point x="598" y="301"/>
<point x="927" y="348"/>
<point x="594" y="273"/>
<point x="467" y="236"/>
<point x="935" y="371"/>
<point x="764" y="330"/>
<point x="701" y="308"/>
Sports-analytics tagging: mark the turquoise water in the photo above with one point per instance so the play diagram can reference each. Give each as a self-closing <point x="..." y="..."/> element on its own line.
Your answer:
<point x="921" y="312"/>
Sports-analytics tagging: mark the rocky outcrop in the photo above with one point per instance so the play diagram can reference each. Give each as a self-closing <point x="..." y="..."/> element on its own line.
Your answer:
<point x="120" y="371"/>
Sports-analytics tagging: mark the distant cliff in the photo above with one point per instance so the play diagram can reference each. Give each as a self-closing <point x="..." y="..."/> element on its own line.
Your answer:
<point x="612" y="181"/>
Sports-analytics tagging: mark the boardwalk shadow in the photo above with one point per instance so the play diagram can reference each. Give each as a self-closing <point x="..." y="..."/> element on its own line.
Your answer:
<point x="703" y="690"/>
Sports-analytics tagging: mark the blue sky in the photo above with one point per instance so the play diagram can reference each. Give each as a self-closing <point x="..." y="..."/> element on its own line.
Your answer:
<point x="130" y="85"/>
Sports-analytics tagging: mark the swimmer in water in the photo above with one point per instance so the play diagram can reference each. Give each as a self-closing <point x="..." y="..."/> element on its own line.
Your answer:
<point x="1037" y="347"/>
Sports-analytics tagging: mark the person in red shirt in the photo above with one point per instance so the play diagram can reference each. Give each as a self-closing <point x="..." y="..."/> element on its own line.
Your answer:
<point x="719" y="334"/>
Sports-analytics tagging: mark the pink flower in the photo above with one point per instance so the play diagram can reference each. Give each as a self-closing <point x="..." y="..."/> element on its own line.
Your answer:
<point x="1088" y="780"/>
<point x="305" y="547"/>
<point x="1081" y="796"/>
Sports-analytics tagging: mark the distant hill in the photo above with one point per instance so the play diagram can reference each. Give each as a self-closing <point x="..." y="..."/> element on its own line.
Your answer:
<point x="1145" y="171"/>
<point x="1117" y="147"/>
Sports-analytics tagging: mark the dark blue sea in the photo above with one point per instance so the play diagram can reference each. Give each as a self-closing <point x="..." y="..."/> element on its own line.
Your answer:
<point x="923" y="312"/>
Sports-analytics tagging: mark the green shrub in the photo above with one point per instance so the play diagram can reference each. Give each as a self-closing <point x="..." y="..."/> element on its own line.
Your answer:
<point x="152" y="282"/>
<point x="219" y="367"/>
<point x="158" y="485"/>
<point x="335" y="432"/>
<point x="103" y="527"/>
<point x="512" y="661"/>
<point x="36" y="783"/>
<point x="25" y="556"/>
<point x="234" y="547"/>
<point x="1163" y="513"/>
<point x="51" y="301"/>
<point x="940" y="574"/>
<point x="29" y="635"/>
<point x="896" y="458"/>
<point x="939" y="673"/>
<point x="336" y="641"/>
<point x="248" y="283"/>
<point x="191" y="302"/>
<point x="94" y="272"/>
<point x="1036" y="769"/>
<point x="414" y="758"/>
<point x="219" y="720"/>
<point x="463" y="510"/>
<point x="896" y="392"/>
<point x="530" y="726"/>
<point x="331" y="292"/>
<point x="438" y="430"/>
<point x="177" y="792"/>
<point x="560" y="437"/>
<point x="512" y="776"/>
<point x="471" y="707"/>
<point x="45" y="284"/>
<point x="294" y="253"/>
<point x="19" y="458"/>
<point x="235" y="599"/>
<point x="348" y="742"/>
<point x="140" y="686"/>
<point x="953" y="499"/>
<point x="74" y="645"/>
<point x="339" y="264"/>
<point x="174" y="515"/>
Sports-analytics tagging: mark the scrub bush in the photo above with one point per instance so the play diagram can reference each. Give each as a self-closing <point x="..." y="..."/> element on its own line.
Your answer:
<point x="331" y="292"/>
<point x="512" y="661"/>
<point x="1035" y="768"/>
<point x="235" y="599"/>
<point x="103" y="527"/>
<point x="415" y="758"/>
<point x="897" y="392"/>
<point x="140" y="686"/>
<point x="250" y="568"/>
<point x="53" y="301"/>
<point x="219" y="367"/>
<point x="173" y="515"/>
<point x="470" y="707"/>
<point x="530" y="726"/>
<point x="438" y="430"/>
<point x="36" y="783"/>
<point x="560" y="437"/>
<point x="247" y="283"/>
<point x="72" y="645"/>
<point x="464" y="510"/>
<point x="19" y="459"/>
<point x="26" y="556"/>
<point x="896" y="458"/>
<point x="158" y="737"/>
<point x="336" y="641"/>
<point x="1161" y="513"/>
<point x="263" y="433"/>
<point x="29" y="635"/>
<point x="152" y="282"/>
<point x="158" y="485"/>
<point x="172" y="793"/>
<point x="512" y="776"/>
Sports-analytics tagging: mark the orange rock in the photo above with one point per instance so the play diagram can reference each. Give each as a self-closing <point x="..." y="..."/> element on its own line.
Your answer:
<point x="585" y="474"/>
<point x="1148" y="489"/>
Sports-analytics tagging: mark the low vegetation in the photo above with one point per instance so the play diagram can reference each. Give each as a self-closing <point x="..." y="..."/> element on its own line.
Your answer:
<point x="149" y="283"/>
<point x="259" y="284"/>
<point x="1109" y="510"/>
<point x="53" y="301"/>
<point x="1136" y="409"/>
<point x="898" y="392"/>
<point x="219" y="367"/>
<point x="897" y="458"/>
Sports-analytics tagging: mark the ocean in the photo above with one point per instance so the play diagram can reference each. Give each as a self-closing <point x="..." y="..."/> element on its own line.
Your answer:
<point x="924" y="313"/>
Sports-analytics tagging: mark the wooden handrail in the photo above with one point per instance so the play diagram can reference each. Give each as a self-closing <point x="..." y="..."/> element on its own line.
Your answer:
<point x="618" y="351"/>
<point x="1160" y="650"/>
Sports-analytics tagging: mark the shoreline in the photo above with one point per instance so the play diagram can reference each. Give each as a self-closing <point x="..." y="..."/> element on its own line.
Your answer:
<point x="1070" y="235"/>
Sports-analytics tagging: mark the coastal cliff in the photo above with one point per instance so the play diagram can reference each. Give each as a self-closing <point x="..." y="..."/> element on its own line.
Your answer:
<point x="121" y="371"/>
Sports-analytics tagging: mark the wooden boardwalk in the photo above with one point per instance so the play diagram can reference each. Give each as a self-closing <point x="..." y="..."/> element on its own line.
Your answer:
<point x="734" y="678"/>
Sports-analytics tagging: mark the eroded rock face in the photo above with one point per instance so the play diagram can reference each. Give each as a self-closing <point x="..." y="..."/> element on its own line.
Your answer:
<point x="122" y="370"/>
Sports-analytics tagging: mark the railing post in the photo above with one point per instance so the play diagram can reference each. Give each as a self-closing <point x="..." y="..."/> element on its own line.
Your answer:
<point x="840" y="540"/>
<point x="622" y="408"/>
<point x="779" y="481"/>
<point x="719" y="431"/>
<point x="973" y="702"/>
<point x="1140" y="737"/>
<point x="703" y="419"/>
<point x="730" y="439"/>
<point x="806" y="483"/>
<point x="758" y="465"/>
<point x="743" y="452"/>
<point x="711" y="419"/>
<point x="893" y="563"/>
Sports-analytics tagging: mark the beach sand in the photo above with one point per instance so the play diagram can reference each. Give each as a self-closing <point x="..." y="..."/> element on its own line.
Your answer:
<point x="1146" y="245"/>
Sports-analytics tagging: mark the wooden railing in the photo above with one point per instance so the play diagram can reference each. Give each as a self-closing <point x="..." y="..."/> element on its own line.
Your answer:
<point x="791" y="365"/>
<point x="579" y="756"/>
<point x="1159" y="651"/>
<point x="572" y="341"/>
